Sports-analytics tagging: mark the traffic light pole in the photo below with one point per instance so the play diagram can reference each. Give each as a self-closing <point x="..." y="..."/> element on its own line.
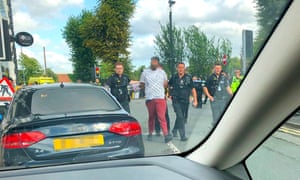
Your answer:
<point x="13" y="47"/>
<point x="172" y="59"/>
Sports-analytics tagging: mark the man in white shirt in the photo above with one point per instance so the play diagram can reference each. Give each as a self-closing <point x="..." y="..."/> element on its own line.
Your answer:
<point x="154" y="80"/>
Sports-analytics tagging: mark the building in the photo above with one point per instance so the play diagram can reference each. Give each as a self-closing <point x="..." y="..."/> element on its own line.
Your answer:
<point x="8" y="60"/>
<point x="63" y="78"/>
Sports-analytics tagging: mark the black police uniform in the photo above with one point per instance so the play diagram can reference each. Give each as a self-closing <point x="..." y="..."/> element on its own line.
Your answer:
<point x="118" y="88"/>
<point x="199" y="90"/>
<point x="180" y="90"/>
<point x="217" y="87"/>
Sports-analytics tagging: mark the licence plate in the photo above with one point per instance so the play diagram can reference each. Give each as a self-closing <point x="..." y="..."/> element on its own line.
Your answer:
<point x="60" y="144"/>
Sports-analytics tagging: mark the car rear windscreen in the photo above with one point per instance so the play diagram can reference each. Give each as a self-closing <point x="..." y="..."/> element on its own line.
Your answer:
<point x="68" y="100"/>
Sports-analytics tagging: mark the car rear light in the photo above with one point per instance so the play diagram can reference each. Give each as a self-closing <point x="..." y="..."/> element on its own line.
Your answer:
<point x="22" y="139"/>
<point x="126" y="128"/>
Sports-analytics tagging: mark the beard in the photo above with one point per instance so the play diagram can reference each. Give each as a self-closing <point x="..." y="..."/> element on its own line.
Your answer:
<point x="153" y="67"/>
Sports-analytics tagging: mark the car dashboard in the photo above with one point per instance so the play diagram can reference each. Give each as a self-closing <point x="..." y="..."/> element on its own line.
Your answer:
<point x="167" y="167"/>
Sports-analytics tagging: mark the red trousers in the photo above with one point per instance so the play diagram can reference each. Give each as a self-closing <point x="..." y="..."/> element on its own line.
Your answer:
<point x="157" y="108"/>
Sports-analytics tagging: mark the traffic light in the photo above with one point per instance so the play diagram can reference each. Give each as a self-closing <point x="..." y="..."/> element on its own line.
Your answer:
<point x="97" y="71"/>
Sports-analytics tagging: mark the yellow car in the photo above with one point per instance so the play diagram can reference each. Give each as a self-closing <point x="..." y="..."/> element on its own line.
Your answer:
<point x="40" y="80"/>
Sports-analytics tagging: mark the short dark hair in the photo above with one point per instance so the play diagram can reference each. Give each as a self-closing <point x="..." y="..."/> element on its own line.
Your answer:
<point x="118" y="64"/>
<point x="155" y="58"/>
<point x="217" y="64"/>
<point x="179" y="64"/>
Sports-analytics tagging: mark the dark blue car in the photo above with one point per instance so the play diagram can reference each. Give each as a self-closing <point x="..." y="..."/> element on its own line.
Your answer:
<point x="62" y="123"/>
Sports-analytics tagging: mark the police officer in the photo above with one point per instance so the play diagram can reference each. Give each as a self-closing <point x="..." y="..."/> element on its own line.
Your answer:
<point x="236" y="80"/>
<point x="118" y="83"/>
<point x="181" y="85"/>
<point x="97" y="82"/>
<point x="199" y="90"/>
<point x="217" y="89"/>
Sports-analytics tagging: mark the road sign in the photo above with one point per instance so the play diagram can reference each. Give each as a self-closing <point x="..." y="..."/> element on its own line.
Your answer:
<point x="24" y="39"/>
<point x="224" y="59"/>
<point x="6" y="90"/>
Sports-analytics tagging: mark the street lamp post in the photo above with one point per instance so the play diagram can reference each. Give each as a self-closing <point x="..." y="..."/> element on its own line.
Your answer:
<point x="172" y="60"/>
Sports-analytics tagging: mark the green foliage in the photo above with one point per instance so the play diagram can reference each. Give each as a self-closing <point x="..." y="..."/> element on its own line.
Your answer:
<point x="163" y="47"/>
<point x="268" y="13"/>
<point x="32" y="68"/>
<point x="136" y="74"/>
<point x="82" y="57"/>
<point x="192" y="44"/>
<point x="50" y="73"/>
<point x="201" y="52"/>
<point x="233" y="64"/>
<point x="72" y="77"/>
<point x="107" y="33"/>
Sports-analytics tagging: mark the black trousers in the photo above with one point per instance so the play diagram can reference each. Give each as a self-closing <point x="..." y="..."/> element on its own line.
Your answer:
<point x="157" y="125"/>
<point x="199" y="99"/>
<point x="181" y="110"/>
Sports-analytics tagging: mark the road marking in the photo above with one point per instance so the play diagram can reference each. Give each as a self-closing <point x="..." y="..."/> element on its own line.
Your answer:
<point x="290" y="131"/>
<point x="173" y="147"/>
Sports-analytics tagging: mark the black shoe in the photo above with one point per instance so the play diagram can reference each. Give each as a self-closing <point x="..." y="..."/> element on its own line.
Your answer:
<point x="168" y="138"/>
<point x="149" y="137"/>
<point x="184" y="139"/>
<point x="157" y="133"/>
<point x="174" y="132"/>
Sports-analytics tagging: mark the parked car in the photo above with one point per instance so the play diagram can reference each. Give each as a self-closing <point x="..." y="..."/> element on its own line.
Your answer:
<point x="61" y="123"/>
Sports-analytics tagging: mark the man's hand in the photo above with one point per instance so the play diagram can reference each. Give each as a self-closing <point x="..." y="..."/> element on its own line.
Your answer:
<point x="195" y="103"/>
<point x="211" y="98"/>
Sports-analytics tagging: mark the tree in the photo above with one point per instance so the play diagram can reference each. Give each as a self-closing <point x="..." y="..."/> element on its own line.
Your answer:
<point x="30" y="68"/>
<point x="136" y="74"/>
<point x="50" y="73"/>
<point x="200" y="50"/>
<point x="163" y="47"/>
<point x="203" y="52"/>
<point x="233" y="64"/>
<point x="81" y="56"/>
<point x="268" y="13"/>
<point x="107" y="32"/>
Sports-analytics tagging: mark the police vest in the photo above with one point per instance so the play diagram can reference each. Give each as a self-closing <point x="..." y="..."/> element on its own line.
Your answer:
<point x="217" y="86"/>
<point x="118" y="87"/>
<point x="180" y="88"/>
<point x="236" y="83"/>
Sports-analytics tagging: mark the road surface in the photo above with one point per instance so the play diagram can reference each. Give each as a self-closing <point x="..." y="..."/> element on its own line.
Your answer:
<point x="277" y="158"/>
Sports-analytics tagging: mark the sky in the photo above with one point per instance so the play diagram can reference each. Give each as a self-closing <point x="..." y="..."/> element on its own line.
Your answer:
<point x="46" y="19"/>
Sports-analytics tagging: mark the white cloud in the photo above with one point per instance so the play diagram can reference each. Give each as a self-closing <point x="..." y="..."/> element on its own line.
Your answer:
<point x="58" y="62"/>
<point x="218" y="18"/>
<point x="57" y="56"/>
<point x="45" y="8"/>
<point x="142" y="50"/>
<point x="24" y="22"/>
<point x="221" y="18"/>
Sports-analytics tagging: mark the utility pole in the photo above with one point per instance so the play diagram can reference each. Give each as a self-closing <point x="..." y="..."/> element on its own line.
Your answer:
<point x="45" y="64"/>
<point x="172" y="59"/>
<point x="12" y="34"/>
